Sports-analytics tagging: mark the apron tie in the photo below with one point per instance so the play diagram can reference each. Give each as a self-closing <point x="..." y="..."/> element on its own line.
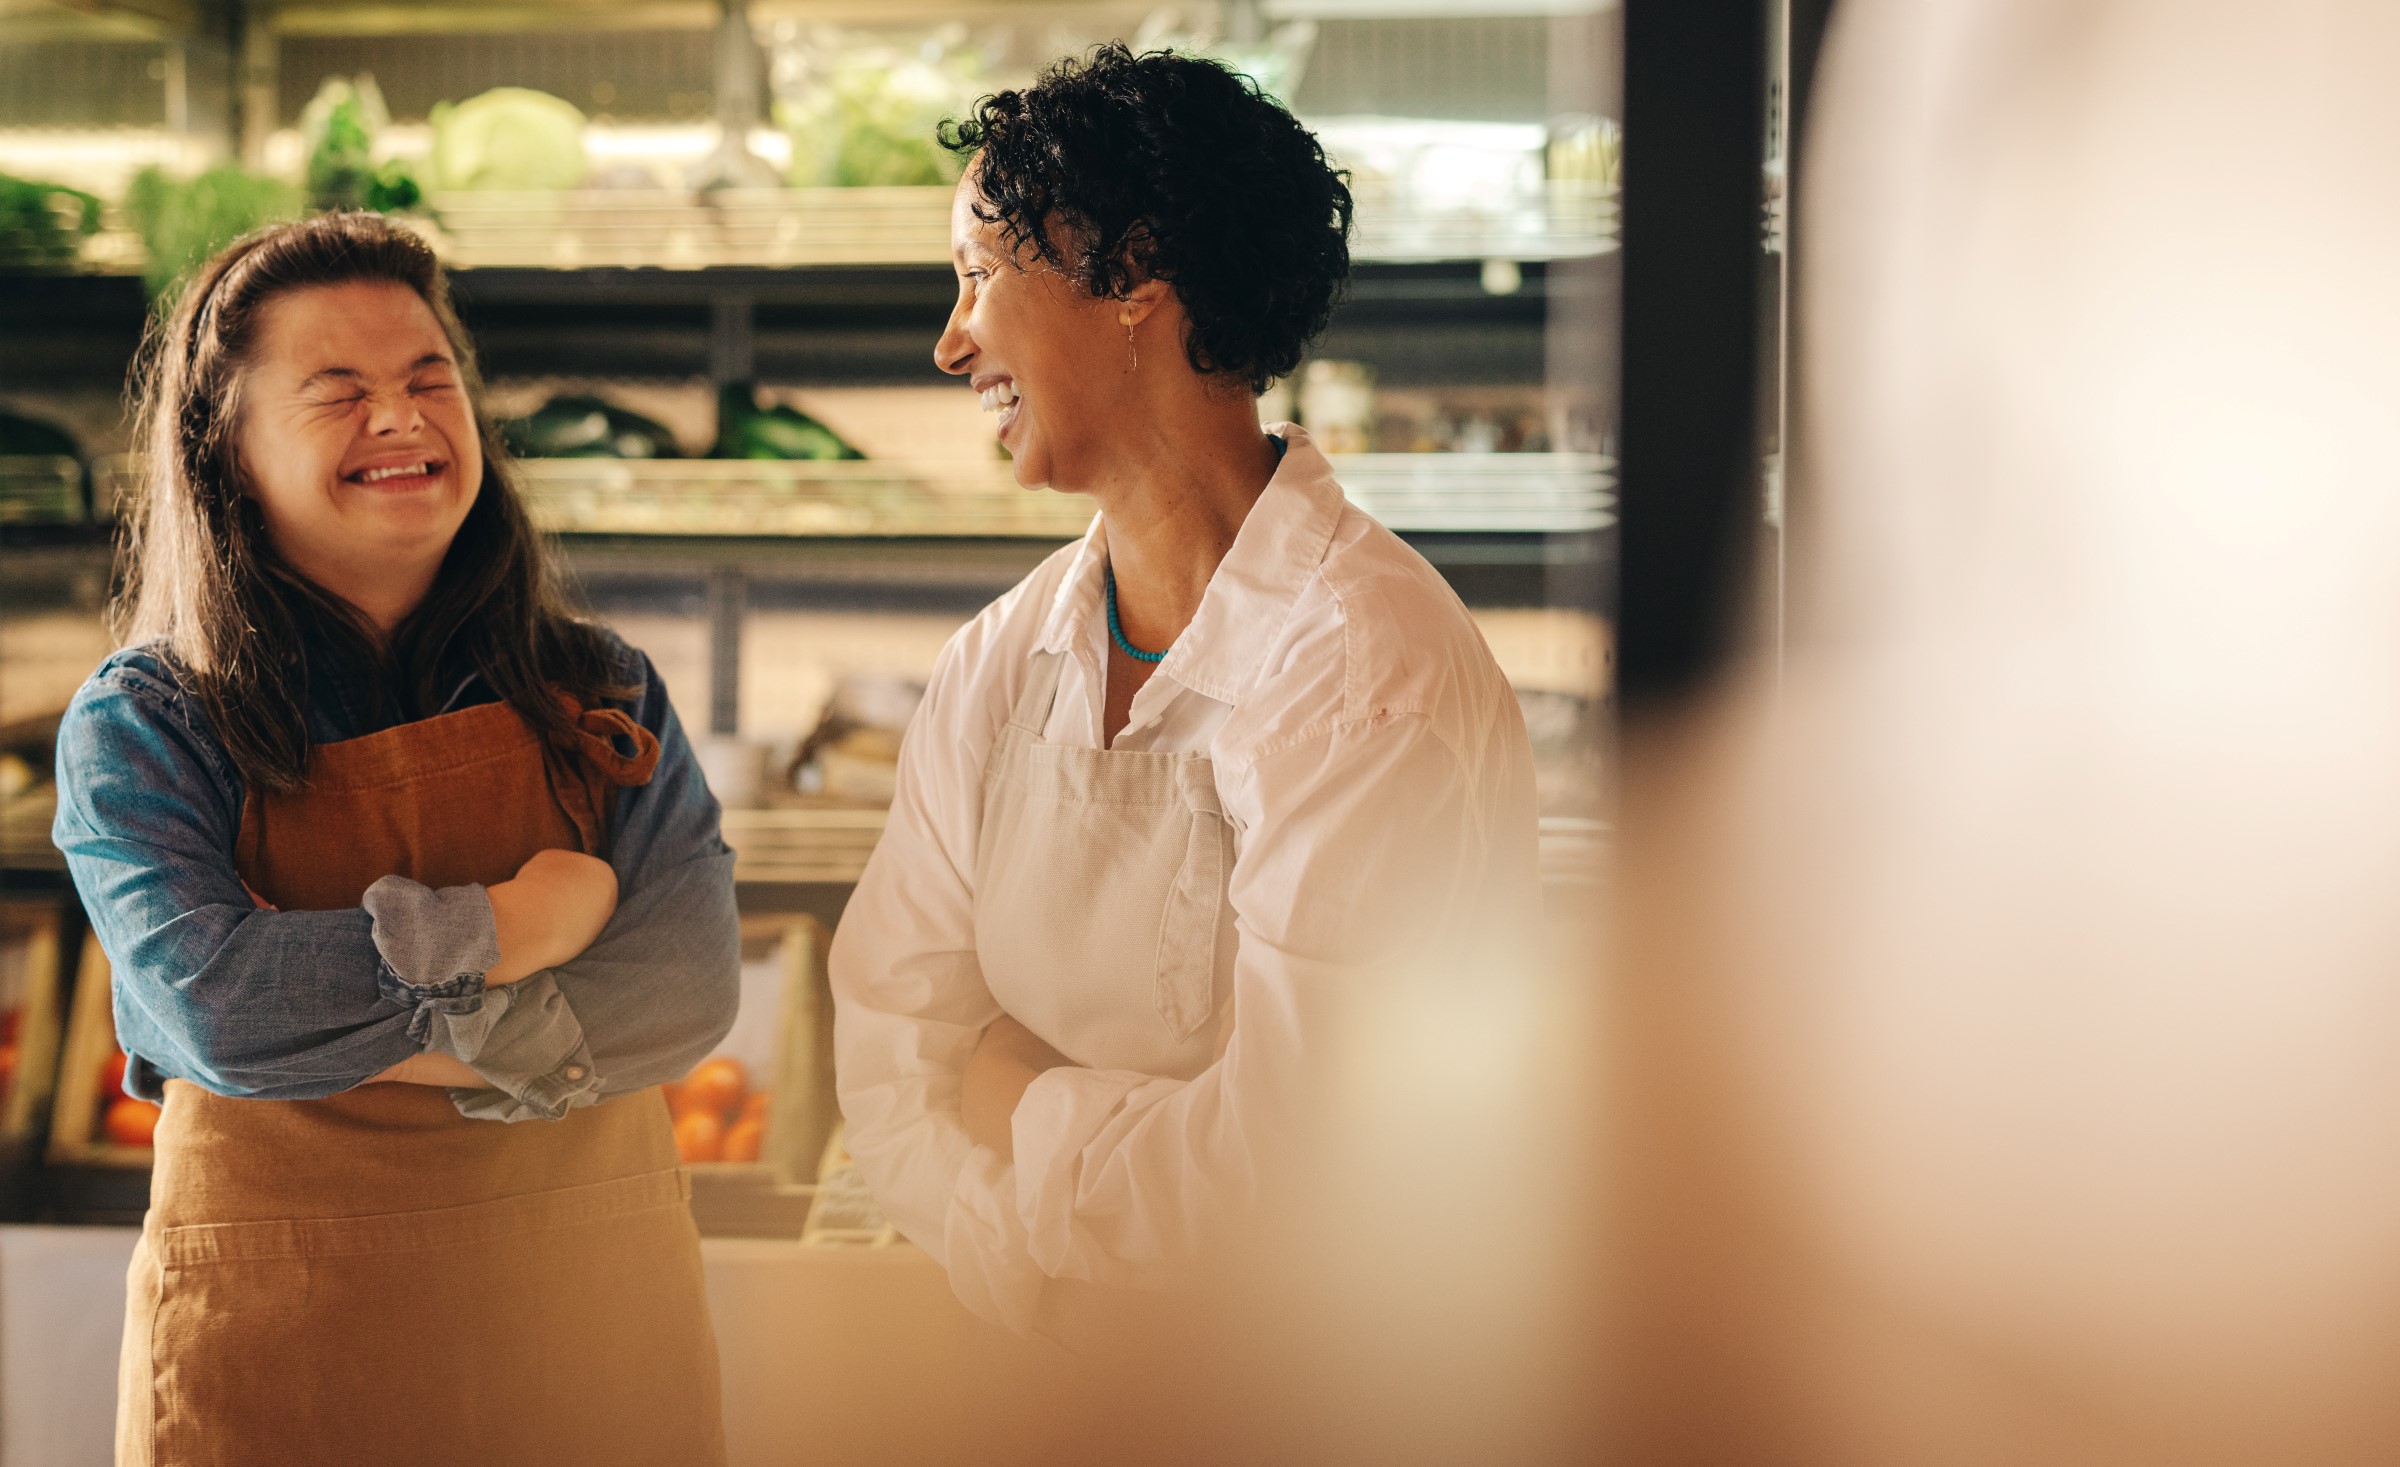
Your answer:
<point x="596" y="733"/>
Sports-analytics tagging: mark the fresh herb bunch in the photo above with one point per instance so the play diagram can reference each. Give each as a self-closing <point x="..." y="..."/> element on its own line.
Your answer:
<point x="339" y="126"/>
<point x="183" y="222"/>
<point x="43" y="225"/>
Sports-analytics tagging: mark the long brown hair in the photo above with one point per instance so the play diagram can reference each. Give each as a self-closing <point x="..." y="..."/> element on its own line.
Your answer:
<point x="202" y="578"/>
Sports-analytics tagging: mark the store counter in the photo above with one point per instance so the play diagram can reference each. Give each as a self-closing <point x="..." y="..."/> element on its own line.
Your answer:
<point x="830" y="1354"/>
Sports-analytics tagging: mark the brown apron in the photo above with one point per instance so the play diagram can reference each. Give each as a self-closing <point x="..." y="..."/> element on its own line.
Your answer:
<point x="373" y="1278"/>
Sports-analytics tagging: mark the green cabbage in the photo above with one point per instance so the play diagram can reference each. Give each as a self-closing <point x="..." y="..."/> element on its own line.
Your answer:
<point x="870" y="120"/>
<point x="507" y="138"/>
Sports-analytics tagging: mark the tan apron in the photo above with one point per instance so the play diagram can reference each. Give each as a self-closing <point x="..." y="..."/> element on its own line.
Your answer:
<point x="373" y="1278"/>
<point x="1100" y="914"/>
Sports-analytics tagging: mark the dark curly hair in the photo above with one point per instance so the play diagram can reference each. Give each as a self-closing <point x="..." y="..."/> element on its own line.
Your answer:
<point x="1114" y="166"/>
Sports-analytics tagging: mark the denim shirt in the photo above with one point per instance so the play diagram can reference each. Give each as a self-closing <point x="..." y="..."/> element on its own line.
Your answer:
<point x="243" y="1001"/>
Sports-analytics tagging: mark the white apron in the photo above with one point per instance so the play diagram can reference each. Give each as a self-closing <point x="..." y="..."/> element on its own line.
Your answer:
<point x="1100" y="877"/>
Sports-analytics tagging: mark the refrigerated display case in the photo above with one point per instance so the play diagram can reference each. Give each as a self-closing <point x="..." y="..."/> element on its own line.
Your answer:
<point x="1468" y="380"/>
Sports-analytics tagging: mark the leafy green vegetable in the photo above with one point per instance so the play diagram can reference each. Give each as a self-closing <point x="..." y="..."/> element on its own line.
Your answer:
<point x="578" y="426"/>
<point x="507" y="138"/>
<point x="43" y="225"/>
<point x="339" y="125"/>
<point x="869" y="120"/>
<point x="746" y="430"/>
<point x="183" y="222"/>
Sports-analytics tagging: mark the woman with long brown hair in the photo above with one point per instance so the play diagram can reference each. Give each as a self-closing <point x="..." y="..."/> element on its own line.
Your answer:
<point x="388" y="849"/>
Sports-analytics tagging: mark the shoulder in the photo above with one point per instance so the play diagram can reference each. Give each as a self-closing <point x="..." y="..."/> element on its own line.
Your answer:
<point x="136" y="707"/>
<point x="640" y="691"/>
<point x="132" y="687"/>
<point x="1376" y="634"/>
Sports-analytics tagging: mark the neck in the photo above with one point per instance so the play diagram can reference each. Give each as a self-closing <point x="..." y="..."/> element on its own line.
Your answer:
<point x="385" y="595"/>
<point x="1186" y="486"/>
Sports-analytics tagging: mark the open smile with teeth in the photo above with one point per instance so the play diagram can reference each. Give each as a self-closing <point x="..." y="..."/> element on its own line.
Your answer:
<point x="422" y="469"/>
<point x="1001" y="397"/>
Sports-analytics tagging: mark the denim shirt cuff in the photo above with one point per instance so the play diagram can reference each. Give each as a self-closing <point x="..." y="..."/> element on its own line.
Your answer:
<point x="435" y="945"/>
<point x="545" y="1097"/>
<point x="528" y="1043"/>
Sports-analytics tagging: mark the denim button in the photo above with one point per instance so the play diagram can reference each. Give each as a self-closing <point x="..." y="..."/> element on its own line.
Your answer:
<point x="574" y="1072"/>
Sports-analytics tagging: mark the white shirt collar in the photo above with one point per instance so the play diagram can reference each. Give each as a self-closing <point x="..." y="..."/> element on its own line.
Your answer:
<point x="1277" y="551"/>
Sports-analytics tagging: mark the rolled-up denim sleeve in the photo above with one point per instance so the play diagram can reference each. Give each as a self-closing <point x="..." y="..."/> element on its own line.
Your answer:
<point x="657" y="991"/>
<point x="208" y="986"/>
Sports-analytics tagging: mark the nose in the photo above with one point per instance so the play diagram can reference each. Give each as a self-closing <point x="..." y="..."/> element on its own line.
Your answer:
<point x="392" y="413"/>
<point x="954" y="352"/>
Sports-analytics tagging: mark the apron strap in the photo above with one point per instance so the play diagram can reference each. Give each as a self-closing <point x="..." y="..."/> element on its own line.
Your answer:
<point x="1032" y="713"/>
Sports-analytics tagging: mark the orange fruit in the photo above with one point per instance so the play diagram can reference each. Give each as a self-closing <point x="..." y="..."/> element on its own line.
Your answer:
<point x="755" y="1108"/>
<point x="718" y="1085"/>
<point x="130" y="1122"/>
<point x="742" y="1142"/>
<point x="112" y="1076"/>
<point x="699" y="1137"/>
<point x="8" y="1065"/>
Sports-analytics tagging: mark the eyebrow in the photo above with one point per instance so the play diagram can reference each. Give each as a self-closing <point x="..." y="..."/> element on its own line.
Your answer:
<point x="352" y="374"/>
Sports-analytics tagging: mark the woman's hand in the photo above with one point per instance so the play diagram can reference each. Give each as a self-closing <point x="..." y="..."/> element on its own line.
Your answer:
<point x="548" y="912"/>
<point x="1007" y="1060"/>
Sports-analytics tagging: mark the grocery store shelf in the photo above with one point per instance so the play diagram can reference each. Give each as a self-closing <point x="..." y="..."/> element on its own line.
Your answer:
<point x="791" y="228"/>
<point x="25" y="831"/>
<point x="40" y="490"/>
<point x="803" y="228"/>
<point x="802" y="845"/>
<point x="1528" y="493"/>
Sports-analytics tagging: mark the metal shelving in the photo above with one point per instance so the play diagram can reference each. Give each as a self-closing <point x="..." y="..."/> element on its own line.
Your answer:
<point x="1525" y="493"/>
<point x="829" y="845"/>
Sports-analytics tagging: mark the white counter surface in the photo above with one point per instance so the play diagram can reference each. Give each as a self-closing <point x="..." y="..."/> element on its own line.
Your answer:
<point x="830" y="1354"/>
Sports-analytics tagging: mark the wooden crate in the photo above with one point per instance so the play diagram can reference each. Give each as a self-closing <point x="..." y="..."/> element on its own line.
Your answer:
<point x="770" y="1197"/>
<point x="32" y="929"/>
<point x="75" y="1137"/>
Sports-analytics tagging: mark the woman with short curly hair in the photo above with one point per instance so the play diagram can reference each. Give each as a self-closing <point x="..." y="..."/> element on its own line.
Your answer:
<point x="1208" y="775"/>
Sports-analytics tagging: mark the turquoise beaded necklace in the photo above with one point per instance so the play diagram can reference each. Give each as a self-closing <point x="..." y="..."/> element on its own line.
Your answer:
<point x="1117" y="633"/>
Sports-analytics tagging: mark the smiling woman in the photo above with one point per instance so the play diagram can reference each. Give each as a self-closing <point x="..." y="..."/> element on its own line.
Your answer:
<point x="386" y="847"/>
<point x="364" y="468"/>
<point x="1235" y="757"/>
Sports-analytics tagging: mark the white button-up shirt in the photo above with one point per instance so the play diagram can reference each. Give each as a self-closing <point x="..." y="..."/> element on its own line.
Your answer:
<point x="1373" y="764"/>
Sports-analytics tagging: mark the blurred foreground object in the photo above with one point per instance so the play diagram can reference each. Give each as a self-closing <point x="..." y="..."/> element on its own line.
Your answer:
<point x="2004" y="1016"/>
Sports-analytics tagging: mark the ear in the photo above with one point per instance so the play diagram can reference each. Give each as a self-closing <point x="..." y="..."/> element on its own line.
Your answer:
<point x="1135" y="305"/>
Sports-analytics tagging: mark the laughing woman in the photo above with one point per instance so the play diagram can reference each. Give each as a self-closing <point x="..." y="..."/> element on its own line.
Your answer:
<point x="1205" y="781"/>
<point x="388" y="851"/>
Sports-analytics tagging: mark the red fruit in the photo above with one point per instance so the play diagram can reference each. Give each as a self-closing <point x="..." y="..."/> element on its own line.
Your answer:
<point x="699" y="1137"/>
<point x="717" y="1086"/>
<point x="112" y="1076"/>
<point x="742" y="1142"/>
<point x="130" y="1122"/>
<point x="10" y="1023"/>
<point x="8" y="1065"/>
